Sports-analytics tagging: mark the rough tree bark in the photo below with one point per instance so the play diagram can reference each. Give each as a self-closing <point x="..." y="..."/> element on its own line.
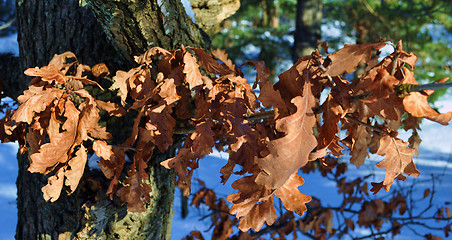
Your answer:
<point x="307" y="24"/>
<point x="210" y="13"/>
<point x="123" y="29"/>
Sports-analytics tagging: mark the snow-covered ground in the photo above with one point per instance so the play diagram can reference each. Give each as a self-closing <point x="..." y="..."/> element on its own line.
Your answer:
<point x="435" y="157"/>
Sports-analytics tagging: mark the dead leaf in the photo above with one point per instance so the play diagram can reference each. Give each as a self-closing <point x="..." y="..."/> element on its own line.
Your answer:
<point x="203" y="141"/>
<point x="102" y="149"/>
<point x="347" y="58"/>
<point x="253" y="204"/>
<point x="206" y="60"/>
<point x="223" y="56"/>
<point x="32" y="103"/>
<point x="291" y="152"/>
<point x="191" y="69"/>
<point x="52" y="190"/>
<point x="57" y="150"/>
<point x="398" y="160"/>
<point x="291" y="197"/>
<point x="417" y="105"/>
<point x="47" y="73"/>
<point x="75" y="169"/>
<point x="168" y="91"/>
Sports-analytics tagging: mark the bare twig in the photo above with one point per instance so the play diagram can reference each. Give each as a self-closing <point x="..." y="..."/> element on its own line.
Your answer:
<point x="8" y="24"/>
<point x="353" y="119"/>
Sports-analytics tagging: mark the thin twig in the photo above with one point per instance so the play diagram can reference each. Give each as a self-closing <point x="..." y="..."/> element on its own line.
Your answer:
<point x="8" y="24"/>
<point x="353" y="119"/>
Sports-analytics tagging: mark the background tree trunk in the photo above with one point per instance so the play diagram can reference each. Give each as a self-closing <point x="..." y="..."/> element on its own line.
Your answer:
<point x="307" y="27"/>
<point x="126" y="28"/>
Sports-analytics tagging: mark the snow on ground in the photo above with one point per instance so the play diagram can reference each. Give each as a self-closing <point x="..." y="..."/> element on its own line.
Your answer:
<point x="9" y="45"/>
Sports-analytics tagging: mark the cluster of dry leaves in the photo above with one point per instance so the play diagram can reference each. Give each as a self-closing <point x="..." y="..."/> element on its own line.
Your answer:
<point x="58" y="122"/>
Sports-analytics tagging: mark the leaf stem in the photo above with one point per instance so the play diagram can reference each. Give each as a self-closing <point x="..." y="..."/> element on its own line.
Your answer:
<point x="353" y="119"/>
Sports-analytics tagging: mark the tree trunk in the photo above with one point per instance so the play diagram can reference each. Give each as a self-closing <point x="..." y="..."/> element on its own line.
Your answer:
<point x="307" y="24"/>
<point x="123" y="29"/>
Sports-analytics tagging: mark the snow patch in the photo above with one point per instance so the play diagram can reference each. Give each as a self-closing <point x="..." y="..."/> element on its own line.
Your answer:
<point x="9" y="44"/>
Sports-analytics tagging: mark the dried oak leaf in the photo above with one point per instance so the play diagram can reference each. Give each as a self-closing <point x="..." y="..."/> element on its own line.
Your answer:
<point x="290" y="152"/>
<point x="57" y="150"/>
<point x="243" y="148"/>
<point x="52" y="190"/>
<point x="211" y="65"/>
<point x="398" y="160"/>
<point x="111" y="108"/>
<point x="417" y="105"/>
<point x="146" y="58"/>
<point x="113" y="169"/>
<point x="102" y="149"/>
<point x="75" y="169"/>
<point x="168" y="91"/>
<point x="253" y="204"/>
<point x="223" y="56"/>
<point x="100" y="70"/>
<point x="291" y="197"/>
<point x="347" y="58"/>
<point x="291" y="82"/>
<point x="48" y="73"/>
<point x="89" y="116"/>
<point x="61" y="61"/>
<point x="268" y="95"/>
<point x="161" y="125"/>
<point x="34" y="100"/>
<point x="135" y="192"/>
<point x="183" y="164"/>
<point x="203" y="141"/>
<point x="140" y="85"/>
<point x="361" y="139"/>
<point x="120" y="83"/>
<point x="382" y="84"/>
<point x="332" y="113"/>
<point x="415" y="140"/>
<point x="191" y="69"/>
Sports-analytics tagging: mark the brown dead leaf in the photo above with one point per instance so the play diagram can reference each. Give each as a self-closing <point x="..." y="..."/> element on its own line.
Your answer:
<point x="191" y="69"/>
<point x="398" y="160"/>
<point x="253" y="204"/>
<point x="135" y="191"/>
<point x="291" y="197"/>
<point x="102" y="149"/>
<point x="61" y="61"/>
<point x="112" y="108"/>
<point x="161" y="124"/>
<point x="361" y="140"/>
<point x="211" y="65"/>
<point x="52" y="190"/>
<point x="57" y="150"/>
<point x="34" y="102"/>
<point x="417" y="105"/>
<point x="120" y="82"/>
<point x="100" y="70"/>
<point x="347" y="58"/>
<point x="268" y="95"/>
<point x="48" y="73"/>
<point x="291" y="152"/>
<point x="183" y="164"/>
<point x="168" y="91"/>
<point x="223" y="56"/>
<point x="75" y="169"/>
<point x="203" y="140"/>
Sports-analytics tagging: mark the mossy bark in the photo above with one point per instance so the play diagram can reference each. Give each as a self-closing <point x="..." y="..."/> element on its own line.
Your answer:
<point x="113" y="34"/>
